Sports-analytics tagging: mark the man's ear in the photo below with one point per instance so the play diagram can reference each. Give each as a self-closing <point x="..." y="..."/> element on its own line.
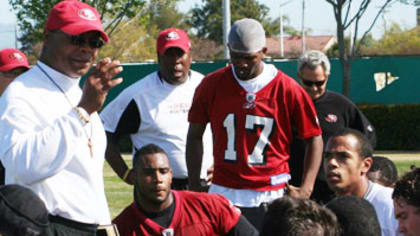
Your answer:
<point x="172" y="174"/>
<point x="264" y="50"/>
<point x="45" y="36"/>
<point x="366" y="164"/>
<point x="158" y="57"/>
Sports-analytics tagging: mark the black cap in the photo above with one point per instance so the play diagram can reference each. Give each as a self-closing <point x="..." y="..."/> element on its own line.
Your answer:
<point x="22" y="212"/>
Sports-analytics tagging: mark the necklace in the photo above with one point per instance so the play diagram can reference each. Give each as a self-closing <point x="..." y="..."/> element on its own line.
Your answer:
<point x="90" y="144"/>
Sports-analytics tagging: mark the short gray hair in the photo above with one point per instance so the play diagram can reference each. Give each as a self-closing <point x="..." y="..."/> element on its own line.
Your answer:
<point x="312" y="59"/>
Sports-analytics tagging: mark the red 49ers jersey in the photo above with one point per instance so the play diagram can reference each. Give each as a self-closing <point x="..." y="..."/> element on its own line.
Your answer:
<point x="198" y="214"/>
<point x="252" y="131"/>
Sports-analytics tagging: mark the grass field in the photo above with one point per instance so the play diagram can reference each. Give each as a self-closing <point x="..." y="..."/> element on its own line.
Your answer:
<point x="119" y="194"/>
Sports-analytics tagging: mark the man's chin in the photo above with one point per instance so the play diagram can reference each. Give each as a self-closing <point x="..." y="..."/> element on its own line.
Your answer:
<point x="80" y="68"/>
<point x="160" y="198"/>
<point x="78" y="72"/>
<point x="334" y="187"/>
<point x="315" y="96"/>
<point x="175" y="79"/>
<point x="244" y="76"/>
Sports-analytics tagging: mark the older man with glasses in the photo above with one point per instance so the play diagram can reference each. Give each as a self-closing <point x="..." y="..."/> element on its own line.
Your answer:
<point x="334" y="112"/>
<point x="52" y="138"/>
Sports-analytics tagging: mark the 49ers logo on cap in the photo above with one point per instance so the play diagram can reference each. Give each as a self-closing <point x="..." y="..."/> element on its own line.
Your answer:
<point x="87" y="14"/>
<point x="331" y="118"/>
<point x="15" y="56"/>
<point x="172" y="36"/>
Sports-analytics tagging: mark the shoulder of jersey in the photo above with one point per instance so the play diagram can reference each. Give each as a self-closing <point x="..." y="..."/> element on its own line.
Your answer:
<point x="217" y="73"/>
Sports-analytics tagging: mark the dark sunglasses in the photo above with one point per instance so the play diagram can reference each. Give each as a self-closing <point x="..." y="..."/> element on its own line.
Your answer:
<point x="311" y="83"/>
<point x="80" y="40"/>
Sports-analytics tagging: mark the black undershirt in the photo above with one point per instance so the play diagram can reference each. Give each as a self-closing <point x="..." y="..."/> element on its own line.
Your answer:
<point x="162" y="218"/>
<point x="129" y="122"/>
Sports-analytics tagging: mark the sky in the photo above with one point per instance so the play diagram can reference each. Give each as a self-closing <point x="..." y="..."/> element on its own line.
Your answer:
<point x="318" y="17"/>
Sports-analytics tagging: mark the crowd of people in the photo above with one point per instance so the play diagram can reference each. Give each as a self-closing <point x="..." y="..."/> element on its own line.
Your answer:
<point x="245" y="150"/>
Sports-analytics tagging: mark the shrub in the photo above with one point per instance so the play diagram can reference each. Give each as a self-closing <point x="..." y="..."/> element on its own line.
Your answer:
<point x="397" y="126"/>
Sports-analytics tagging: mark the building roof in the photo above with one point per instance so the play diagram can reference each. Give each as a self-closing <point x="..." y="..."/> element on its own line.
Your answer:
<point x="293" y="45"/>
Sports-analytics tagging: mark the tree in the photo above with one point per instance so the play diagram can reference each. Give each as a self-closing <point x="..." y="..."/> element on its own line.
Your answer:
<point x="415" y="3"/>
<point x="32" y="15"/>
<point x="131" y="42"/>
<point x="367" y="46"/>
<point x="208" y="19"/>
<point x="206" y="50"/>
<point x="397" y="41"/>
<point x="344" y="19"/>
<point x="164" y="14"/>
<point x="139" y="34"/>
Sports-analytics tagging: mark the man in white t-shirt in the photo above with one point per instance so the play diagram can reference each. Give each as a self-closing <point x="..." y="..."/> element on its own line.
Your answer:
<point x="347" y="159"/>
<point x="52" y="140"/>
<point x="155" y="109"/>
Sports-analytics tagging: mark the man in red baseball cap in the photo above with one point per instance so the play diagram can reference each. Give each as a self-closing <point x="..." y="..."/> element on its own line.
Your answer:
<point x="154" y="110"/>
<point x="12" y="63"/>
<point x="52" y="138"/>
<point x="74" y="18"/>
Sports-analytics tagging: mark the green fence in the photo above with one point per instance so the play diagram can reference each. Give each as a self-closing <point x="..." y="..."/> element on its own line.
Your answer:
<point x="398" y="76"/>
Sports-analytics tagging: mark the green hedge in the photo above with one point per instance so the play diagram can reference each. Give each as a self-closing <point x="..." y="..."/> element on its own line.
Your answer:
<point x="397" y="126"/>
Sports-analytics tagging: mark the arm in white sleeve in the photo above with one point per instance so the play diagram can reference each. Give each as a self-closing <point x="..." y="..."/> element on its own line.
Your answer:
<point x="33" y="147"/>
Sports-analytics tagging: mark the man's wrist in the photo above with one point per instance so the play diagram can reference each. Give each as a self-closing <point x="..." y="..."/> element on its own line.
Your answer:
<point x="83" y="114"/>
<point x="126" y="174"/>
<point x="86" y="107"/>
<point x="306" y="190"/>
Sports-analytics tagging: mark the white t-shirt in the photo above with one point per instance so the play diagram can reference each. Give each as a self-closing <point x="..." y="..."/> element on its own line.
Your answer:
<point x="44" y="145"/>
<point x="163" y="110"/>
<point x="381" y="199"/>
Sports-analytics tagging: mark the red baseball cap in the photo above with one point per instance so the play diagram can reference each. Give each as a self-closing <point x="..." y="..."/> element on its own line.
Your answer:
<point x="173" y="37"/>
<point x="74" y="18"/>
<point x="11" y="58"/>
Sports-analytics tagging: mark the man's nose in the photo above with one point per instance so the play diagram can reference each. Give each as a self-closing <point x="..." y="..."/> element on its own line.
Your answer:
<point x="157" y="176"/>
<point x="314" y="87"/>
<point x="85" y="46"/>
<point x="330" y="162"/>
<point x="241" y="63"/>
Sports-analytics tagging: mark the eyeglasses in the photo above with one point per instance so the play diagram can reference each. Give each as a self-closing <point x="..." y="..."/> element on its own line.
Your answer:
<point x="311" y="83"/>
<point x="80" y="40"/>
